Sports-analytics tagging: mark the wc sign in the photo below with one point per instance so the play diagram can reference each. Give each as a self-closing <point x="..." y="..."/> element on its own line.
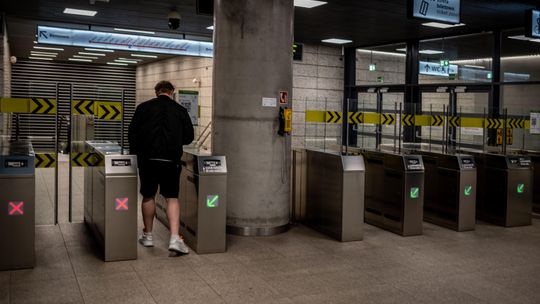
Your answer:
<point x="437" y="69"/>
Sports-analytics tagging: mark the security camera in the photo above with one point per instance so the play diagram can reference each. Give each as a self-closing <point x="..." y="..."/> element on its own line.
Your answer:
<point x="13" y="59"/>
<point x="174" y="20"/>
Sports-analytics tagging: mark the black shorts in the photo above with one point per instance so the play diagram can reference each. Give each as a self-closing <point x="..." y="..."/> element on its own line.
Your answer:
<point x="162" y="173"/>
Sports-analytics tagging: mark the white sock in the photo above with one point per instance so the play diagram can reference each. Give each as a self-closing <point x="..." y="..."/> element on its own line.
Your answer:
<point x="147" y="233"/>
<point x="175" y="237"/>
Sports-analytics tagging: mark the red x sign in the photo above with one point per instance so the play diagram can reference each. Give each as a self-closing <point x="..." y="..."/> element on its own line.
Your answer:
<point x="16" y="208"/>
<point x="121" y="204"/>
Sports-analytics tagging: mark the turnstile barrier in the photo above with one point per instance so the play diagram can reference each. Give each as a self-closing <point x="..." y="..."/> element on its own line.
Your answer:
<point x="203" y="202"/>
<point x="17" y="205"/>
<point x="110" y="205"/>
<point x="394" y="191"/>
<point x="504" y="189"/>
<point x="450" y="190"/>
<point x="335" y="194"/>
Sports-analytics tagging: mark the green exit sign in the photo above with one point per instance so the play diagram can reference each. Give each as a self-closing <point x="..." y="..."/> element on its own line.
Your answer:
<point x="372" y="67"/>
<point x="415" y="192"/>
<point x="520" y="188"/>
<point x="212" y="201"/>
<point x="467" y="191"/>
<point x="445" y="63"/>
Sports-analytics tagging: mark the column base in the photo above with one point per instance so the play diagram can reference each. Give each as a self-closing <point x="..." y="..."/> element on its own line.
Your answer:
<point x="257" y="231"/>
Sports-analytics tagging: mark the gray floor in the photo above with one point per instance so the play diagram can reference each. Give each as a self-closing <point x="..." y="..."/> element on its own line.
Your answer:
<point x="489" y="265"/>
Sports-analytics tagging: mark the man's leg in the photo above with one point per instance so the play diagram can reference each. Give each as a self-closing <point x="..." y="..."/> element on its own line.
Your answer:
<point x="148" y="207"/>
<point x="173" y="214"/>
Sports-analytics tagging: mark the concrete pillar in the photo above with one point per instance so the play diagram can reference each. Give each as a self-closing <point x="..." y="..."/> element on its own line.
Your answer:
<point x="253" y="59"/>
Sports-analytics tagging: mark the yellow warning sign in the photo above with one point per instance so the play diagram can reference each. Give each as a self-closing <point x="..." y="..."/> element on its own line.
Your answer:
<point x="454" y="121"/>
<point x="408" y="120"/>
<point x="287" y="113"/>
<point x="499" y="136"/>
<point x="509" y="136"/>
<point x="45" y="160"/>
<point x="388" y="119"/>
<point x="108" y="110"/>
<point x="85" y="159"/>
<point x="28" y="105"/>
<point x="333" y="117"/>
<point x="82" y="107"/>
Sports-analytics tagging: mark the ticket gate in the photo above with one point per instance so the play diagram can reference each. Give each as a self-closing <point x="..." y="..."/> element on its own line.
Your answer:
<point x="110" y="205"/>
<point x="504" y="189"/>
<point x="394" y="191"/>
<point x="450" y="190"/>
<point x="203" y="202"/>
<point x="17" y="205"/>
<point x="335" y="194"/>
<point x="535" y="159"/>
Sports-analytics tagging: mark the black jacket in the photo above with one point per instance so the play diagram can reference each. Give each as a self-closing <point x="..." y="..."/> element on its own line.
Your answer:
<point x="159" y="128"/>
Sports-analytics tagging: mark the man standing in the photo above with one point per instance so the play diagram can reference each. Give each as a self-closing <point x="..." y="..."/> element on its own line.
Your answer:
<point x="159" y="129"/>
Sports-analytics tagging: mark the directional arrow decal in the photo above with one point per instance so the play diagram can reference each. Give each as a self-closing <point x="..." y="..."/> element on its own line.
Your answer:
<point x="408" y="120"/>
<point x="43" y="34"/>
<point x="333" y="117"/>
<point x="83" y="107"/>
<point x="437" y="120"/>
<point x="42" y="106"/>
<point x="45" y="160"/>
<point x="454" y="121"/>
<point x="388" y="119"/>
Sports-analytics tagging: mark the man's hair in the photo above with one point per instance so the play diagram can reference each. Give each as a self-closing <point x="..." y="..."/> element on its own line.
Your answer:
<point x="164" y="87"/>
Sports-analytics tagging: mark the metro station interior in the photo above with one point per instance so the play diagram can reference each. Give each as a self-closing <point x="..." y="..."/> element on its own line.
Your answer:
<point x="376" y="151"/>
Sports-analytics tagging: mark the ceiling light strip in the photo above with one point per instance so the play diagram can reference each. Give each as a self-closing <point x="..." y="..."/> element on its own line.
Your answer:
<point x="92" y="54"/>
<point x="80" y="12"/>
<point x="48" y="48"/>
<point x="99" y="50"/>
<point x="134" y="31"/>
<point x="40" y="58"/>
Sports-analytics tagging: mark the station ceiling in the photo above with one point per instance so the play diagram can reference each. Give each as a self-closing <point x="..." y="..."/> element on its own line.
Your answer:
<point x="365" y="22"/>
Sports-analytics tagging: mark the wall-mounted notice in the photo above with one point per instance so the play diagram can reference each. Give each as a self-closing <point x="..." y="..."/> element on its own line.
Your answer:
<point x="436" y="69"/>
<point x="447" y="11"/>
<point x="269" y="102"/>
<point x="126" y="42"/>
<point x="190" y="101"/>
<point x="535" y="123"/>
<point x="532" y="24"/>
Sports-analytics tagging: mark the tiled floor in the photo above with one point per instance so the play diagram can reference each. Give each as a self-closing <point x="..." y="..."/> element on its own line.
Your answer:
<point x="489" y="265"/>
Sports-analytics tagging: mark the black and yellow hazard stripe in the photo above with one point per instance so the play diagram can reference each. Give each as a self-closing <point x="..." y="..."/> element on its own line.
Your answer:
<point x="408" y="120"/>
<point x="437" y="120"/>
<point x="356" y="118"/>
<point x="494" y="123"/>
<point x="85" y="159"/>
<point x="45" y="160"/>
<point x="454" y="121"/>
<point x="333" y="117"/>
<point x="388" y="119"/>
<point x="28" y="105"/>
<point x="82" y="107"/>
<point x="108" y="110"/>
<point x="515" y="123"/>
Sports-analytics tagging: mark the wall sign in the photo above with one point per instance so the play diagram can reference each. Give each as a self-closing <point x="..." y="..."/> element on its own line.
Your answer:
<point x="436" y="69"/>
<point x="535" y="123"/>
<point x="126" y="42"/>
<point x="447" y="11"/>
<point x="532" y="23"/>
<point x="190" y="101"/>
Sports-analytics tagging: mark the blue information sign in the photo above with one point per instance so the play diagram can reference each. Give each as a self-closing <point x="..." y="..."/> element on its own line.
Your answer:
<point x="447" y="11"/>
<point x="126" y="42"/>
<point x="533" y="24"/>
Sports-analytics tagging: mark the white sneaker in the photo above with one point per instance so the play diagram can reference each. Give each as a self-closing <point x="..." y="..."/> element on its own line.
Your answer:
<point x="177" y="245"/>
<point x="146" y="239"/>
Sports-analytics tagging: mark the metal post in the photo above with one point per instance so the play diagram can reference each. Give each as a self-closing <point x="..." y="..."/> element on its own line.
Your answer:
<point x="346" y="118"/>
<point x="325" y="125"/>
<point x="484" y="132"/>
<point x="430" y="123"/>
<point x="122" y="122"/>
<point x="395" y="126"/>
<point x="459" y="134"/>
<point x="70" y="148"/>
<point x="400" y="126"/>
<point x="56" y="138"/>
<point x="505" y="119"/>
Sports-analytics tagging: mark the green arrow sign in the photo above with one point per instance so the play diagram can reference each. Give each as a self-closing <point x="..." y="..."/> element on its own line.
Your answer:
<point x="467" y="191"/>
<point x="415" y="192"/>
<point x="521" y="188"/>
<point x="212" y="201"/>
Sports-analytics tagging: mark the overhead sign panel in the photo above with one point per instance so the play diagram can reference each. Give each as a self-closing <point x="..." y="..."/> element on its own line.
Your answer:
<point x="436" y="69"/>
<point x="126" y="42"/>
<point x="532" y="24"/>
<point x="447" y="11"/>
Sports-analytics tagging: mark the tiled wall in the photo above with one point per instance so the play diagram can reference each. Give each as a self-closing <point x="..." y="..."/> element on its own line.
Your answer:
<point x="317" y="85"/>
<point x="181" y="71"/>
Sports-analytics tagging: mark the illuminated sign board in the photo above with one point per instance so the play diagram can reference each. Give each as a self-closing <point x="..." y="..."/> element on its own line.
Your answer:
<point x="436" y="69"/>
<point x="532" y="24"/>
<point x="446" y="11"/>
<point x="124" y="42"/>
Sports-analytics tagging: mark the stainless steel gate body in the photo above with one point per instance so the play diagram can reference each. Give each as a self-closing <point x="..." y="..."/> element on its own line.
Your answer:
<point x="111" y="200"/>
<point x="335" y="194"/>
<point x="17" y="205"/>
<point x="450" y="190"/>
<point x="203" y="202"/>
<point x="394" y="192"/>
<point x="504" y="189"/>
